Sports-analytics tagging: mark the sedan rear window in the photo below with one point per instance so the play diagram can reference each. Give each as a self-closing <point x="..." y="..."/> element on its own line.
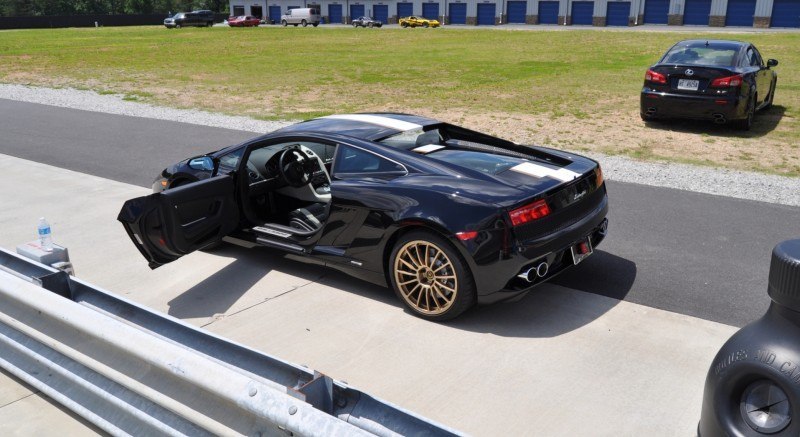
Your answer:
<point x="701" y="54"/>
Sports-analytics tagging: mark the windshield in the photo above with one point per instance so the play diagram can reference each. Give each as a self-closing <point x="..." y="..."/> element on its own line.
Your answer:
<point x="701" y="53"/>
<point x="178" y="15"/>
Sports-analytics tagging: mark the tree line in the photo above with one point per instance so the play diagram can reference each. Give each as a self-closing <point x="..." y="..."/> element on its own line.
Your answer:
<point x="23" y="8"/>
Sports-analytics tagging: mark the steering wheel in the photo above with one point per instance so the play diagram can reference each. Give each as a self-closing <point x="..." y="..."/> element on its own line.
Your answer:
<point x="295" y="167"/>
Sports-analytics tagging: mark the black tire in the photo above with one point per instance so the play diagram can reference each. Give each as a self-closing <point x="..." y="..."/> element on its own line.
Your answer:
<point x="771" y="97"/>
<point x="369" y="25"/>
<point x="284" y="23"/>
<point x="355" y="24"/>
<point x="404" y="25"/>
<point x="177" y="26"/>
<point x="303" y="23"/>
<point x="747" y="123"/>
<point x="443" y="279"/>
<point x="425" y="25"/>
<point x="210" y="24"/>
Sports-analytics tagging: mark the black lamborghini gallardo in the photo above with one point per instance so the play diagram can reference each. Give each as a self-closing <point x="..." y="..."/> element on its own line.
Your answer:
<point x="446" y="216"/>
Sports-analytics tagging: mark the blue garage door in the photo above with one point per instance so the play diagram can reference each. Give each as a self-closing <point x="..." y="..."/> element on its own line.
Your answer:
<point x="458" y="13"/>
<point x="785" y="13"/>
<point x="582" y="12"/>
<point x="275" y="14"/>
<point x="486" y="13"/>
<point x="405" y="10"/>
<point x="516" y="11"/>
<point x="381" y="13"/>
<point x="548" y="12"/>
<point x="697" y="12"/>
<point x="740" y="13"/>
<point x="335" y="14"/>
<point x="617" y="13"/>
<point x="656" y="11"/>
<point x="356" y="11"/>
<point x="430" y="11"/>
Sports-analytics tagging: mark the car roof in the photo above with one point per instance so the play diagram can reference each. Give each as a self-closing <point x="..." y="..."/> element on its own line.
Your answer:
<point x="712" y="42"/>
<point x="366" y="126"/>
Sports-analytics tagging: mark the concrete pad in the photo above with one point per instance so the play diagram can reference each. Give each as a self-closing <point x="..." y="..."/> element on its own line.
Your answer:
<point x="533" y="367"/>
<point x="559" y="362"/>
<point x="12" y="389"/>
<point x="36" y="415"/>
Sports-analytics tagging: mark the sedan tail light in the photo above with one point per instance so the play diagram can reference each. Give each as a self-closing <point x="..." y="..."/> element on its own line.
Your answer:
<point x="652" y="76"/>
<point x="532" y="211"/>
<point x="727" y="82"/>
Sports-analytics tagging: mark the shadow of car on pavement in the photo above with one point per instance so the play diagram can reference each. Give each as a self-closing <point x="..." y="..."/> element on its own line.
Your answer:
<point x="574" y="299"/>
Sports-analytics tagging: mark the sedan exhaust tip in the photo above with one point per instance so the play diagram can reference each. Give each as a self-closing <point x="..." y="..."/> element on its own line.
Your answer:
<point x="539" y="271"/>
<point x="719" y="119"/>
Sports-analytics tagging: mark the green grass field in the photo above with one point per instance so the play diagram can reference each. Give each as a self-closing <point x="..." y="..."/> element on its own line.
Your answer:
<point x="574" y="89"/>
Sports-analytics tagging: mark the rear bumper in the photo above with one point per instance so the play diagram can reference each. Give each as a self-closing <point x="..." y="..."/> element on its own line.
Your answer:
<point x="654" y="104"/>
<point x="553" y="249"/>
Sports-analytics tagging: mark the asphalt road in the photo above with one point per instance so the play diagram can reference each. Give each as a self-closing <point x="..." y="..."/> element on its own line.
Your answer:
<point x="695" y="254"/>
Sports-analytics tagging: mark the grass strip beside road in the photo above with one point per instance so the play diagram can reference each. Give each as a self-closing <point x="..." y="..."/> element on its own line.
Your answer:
<point x="575" y="89"/>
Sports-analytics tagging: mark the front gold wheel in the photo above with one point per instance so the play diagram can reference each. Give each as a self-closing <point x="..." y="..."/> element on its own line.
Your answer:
<point x="425" y="277"/>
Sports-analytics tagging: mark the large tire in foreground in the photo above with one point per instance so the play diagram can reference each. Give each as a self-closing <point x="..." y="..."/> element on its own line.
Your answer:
<point x="430" y="277"/>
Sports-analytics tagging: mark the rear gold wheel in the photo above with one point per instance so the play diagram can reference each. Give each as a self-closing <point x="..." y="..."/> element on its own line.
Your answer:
<point x="430" y="277"/>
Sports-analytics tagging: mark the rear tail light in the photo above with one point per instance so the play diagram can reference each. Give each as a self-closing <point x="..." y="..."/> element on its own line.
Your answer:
<point x="598" y="174"/>
<point x="726" y="82"/>
<point x="533" y="211"/>
<point x="652" y="76"/>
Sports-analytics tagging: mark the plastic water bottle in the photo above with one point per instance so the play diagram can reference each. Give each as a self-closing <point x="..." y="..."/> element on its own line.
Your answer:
<point x="45" y="236"/>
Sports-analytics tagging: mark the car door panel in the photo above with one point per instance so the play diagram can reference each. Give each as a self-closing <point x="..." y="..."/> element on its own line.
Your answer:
<point x="167" y="225"/>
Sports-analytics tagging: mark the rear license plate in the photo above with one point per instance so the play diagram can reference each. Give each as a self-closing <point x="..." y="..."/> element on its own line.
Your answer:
<point x="686" y="84"/>
<point x="581" y="250"/>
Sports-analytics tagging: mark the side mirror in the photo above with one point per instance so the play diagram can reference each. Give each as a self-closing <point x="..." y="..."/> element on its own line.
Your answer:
<point x="202" y="163"/>
<point x="772" y="62"/>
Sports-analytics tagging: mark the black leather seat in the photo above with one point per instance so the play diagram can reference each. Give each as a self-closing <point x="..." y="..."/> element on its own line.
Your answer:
<point x="309" y="218"/>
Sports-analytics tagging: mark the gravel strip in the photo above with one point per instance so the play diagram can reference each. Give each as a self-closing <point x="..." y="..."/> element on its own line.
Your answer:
<point x="723" y="182"/>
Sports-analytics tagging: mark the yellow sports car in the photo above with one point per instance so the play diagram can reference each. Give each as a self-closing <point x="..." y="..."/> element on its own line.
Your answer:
<point x="413" y="21"/>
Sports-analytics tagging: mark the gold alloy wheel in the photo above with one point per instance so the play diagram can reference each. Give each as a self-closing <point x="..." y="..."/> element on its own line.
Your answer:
<point x="425" y="277"/>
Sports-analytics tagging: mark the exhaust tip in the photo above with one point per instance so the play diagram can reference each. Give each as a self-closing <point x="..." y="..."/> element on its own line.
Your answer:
<point x="530" y="275"/>
<point x="719" y="119"/>
<point x="541" y="269"/>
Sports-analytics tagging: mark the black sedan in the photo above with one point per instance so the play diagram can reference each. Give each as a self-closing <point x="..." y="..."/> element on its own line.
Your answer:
<point x="723" y="81"/>
<point x="366" y="22"/>
<point x="446" y="216"/>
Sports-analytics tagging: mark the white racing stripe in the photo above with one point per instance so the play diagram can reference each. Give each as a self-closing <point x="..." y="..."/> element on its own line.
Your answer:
<point x="541" y="171"/>
<point x="376" y="119"/>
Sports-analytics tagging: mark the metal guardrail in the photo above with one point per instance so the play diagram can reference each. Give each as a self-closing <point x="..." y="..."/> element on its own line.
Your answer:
<point x="132" y="371"/>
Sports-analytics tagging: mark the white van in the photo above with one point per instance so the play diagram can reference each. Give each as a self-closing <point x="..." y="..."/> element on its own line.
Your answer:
<point x="302" y="16"/>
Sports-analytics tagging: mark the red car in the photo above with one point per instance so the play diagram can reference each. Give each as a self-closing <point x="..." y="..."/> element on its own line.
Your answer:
<point x="243" y="21"/>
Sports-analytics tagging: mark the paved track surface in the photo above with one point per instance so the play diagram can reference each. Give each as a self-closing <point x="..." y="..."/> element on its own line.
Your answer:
<point x="691" y="253"/>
